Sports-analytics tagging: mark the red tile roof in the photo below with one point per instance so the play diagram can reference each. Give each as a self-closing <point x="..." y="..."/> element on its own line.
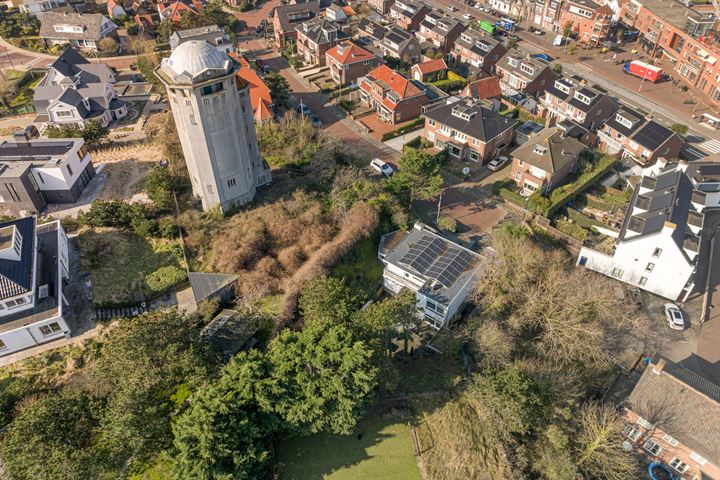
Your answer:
<point x="349" y="12"/>
<point x="488" y="87"/>
<point x="347" y="52"/>
<point x="431" y="66"/>
<point x="262" y="110"/>
<point x="172" y="11"/>
<point x="259" y="91"/>
<point x="395" y="81"/>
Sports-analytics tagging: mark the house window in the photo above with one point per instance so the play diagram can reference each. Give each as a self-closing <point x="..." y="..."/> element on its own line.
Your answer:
<point x="64" y="113"/>
<point x="192" y="119"/>
<point x="678" y="465"/>
<point x="643" y="281"/>
<point x="652" y="447"/>
<point x="698" y="458"/>
<point x="431" y="122"/>
<point x="670" y="440"/>
<point x="657" y="252"/>
<point x="650" y="267"/>
<point x="50" y="329"/>
<point x="644" y="423"/>
<point x="231" y="183"/>
<point x="210" y="189"/>
<point x="617" y="273"/>
<point x="631" y="432"/>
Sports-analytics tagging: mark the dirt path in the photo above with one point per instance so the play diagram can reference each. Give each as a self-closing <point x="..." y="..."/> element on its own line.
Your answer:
<point x="126" y="168"/>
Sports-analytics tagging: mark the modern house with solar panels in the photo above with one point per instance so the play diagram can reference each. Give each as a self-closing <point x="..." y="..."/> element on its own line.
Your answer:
<point x="35" y="172"/>
<point x="658" y="245"/>
<point x="442" y="273"/>
<point x="33" y="265"/>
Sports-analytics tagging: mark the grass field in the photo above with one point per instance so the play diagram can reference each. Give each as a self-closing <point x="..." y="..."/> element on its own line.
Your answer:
<point x="382" y="451"/>
<point x="361" y="268"/>
<point x="119" y="261"/>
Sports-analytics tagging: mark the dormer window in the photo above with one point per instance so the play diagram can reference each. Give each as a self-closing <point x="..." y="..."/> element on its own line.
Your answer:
<point x="513" y="62"/>
<point x="562" y="86"/>
<point x="527" y="69"/>
<point x="623" y="121"/>
<point x="466" y="38"/>
<point x="583" y="98"/>
<point x="539" y="149"/>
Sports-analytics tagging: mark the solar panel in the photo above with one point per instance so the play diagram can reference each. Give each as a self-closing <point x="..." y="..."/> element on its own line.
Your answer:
<point x="450" y="266"/>
<point x="652" y="135"/>
<point x="422" y="254"/>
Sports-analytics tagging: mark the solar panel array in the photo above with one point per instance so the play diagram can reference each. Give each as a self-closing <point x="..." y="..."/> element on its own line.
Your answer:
<point x="422" y="254"/>
<point x="652" y="135"/>
<point x="448" y="268"/>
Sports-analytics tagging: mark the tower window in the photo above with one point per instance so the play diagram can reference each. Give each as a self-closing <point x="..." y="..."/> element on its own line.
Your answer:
<point x="206" y="101"/>
<point x="192" y="119"/>
<point x="214" y="88"/>
<point x="210" y="189"/>
<point x="243" y="108"/>
<point x="231" y="183"/>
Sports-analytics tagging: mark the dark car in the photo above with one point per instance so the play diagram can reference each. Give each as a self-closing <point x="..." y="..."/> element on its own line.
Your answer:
<point x="543" y="56"/>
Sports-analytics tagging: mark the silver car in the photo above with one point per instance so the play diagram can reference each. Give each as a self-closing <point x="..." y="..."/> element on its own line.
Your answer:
<point x="674" y="317"/>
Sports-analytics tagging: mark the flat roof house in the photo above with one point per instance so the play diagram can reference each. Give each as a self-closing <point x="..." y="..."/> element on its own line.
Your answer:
<point x="569" y="98"/>
<point x="658" y="245"/>
<point x="521" y="73"/>
<point x="394" y="97"/>
<point x="468" y="129"/>
<point x="33" y="267"/>
<point x="212" y="34"/>
<point x="81" y="30"/>
<point x="672" y="416"/>
<point x="75" y="91"/>
<point x="640" y="139"/>
<point x="441" y="273"/>
<point x="546" y="161"/>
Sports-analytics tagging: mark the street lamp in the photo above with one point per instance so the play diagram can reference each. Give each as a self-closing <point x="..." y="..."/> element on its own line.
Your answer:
<point x="437" y="218"/>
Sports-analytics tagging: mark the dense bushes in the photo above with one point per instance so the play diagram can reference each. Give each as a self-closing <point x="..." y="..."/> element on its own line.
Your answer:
<point x="160" y="185"/>
<point x="135" y="217"/>
<point x="165" y="278"/>
<point x="562" y="195"/>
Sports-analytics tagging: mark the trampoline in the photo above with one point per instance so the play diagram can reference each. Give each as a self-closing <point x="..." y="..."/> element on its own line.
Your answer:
<point x="659" y="471"/>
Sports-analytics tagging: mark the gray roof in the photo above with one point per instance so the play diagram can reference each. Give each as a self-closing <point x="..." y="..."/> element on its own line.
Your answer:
<point x="209" y="34"/>
<point x="483" y="123"/>
<point x="668" y="199"/>
<point x="630" y="115"/>
<point x="398" y="36"/>
<point x="538" y="66"/>
<point x="205" y="285"/>
<point x="478" y="42"/>
<point x="594" y="94"/>
<point x="682" y="404"/>
<point x="550" y="150"/>
<point x="320" y="31"/>
<point x="445" y="266"/>
<point x="90" y="22"/>
<point x="373" y="29"/>
<point x="16" y="275"/>
<point x="284" y="12"/>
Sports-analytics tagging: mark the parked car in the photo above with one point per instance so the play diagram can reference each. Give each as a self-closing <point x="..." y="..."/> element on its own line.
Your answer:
<point x="674" y="317"/>
<point x="467" y="16"/>
<point x="315" y="120"/>
<point x="382" y="167"/>
<point x="543" y="56"/>
<point x="497" y="163"/>
<point x="452" y="8"/>
<point x="479" y="7"/>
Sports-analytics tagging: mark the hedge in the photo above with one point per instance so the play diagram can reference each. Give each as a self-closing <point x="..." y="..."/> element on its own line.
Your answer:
<point x="165" y="278"/>
<point x="510" y="196"/>
<point x="448" y="86"/>
<point x="560" y="196"/>
<point x="410" y="127"/>
<point x="596" y="202"/>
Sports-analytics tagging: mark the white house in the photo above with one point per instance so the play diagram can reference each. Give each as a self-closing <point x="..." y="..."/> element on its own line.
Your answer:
<point x="442" y="274"/>
<point x="37" y="7"/>
<point x="80" y="30"/>
<point x="33" y="265"/>
<point x="658" y="245"/>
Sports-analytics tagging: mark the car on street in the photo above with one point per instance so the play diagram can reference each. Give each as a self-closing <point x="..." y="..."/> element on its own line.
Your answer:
<point x="674" y="317"/>
<point x="467" y="16"/>
<point x="479" y="7"/>
<point x="452" y="8"/>
<point x="543" y="56"/>
<point x="497" y="163"/>
<point x="315" y="120"/>
<point x="382" y="167"/>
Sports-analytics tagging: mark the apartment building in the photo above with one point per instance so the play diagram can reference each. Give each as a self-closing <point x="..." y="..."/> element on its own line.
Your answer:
<point x="545" y="15"/>
<point x="348" y="62"/>
<point x="683" y="33"/>
<point x="522" y="73"/>
<point x="314" y="38"/>
<point x="468" y="129"/>
<point x="672" y="416"/>
<point x="545" y="162"/>
<point x="590" y="22"/>
<point x="394" y="97"/>
<point x="400" y="44"/>
<point x="408" y="14"/>
<point x="574" y="99"/>
<point x="657" y="247"/>
<point x="478" y="50"/>
<point x="288" y="17"/>
<point x="439" y="31"/>
<point x="638" y="138"/>
<point x="441" y="273"/>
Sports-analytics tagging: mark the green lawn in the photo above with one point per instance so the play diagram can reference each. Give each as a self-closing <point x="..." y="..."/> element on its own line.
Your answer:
<point x="383" y="451"/>
<point x="361" y="268"/>
<point x="119" y="261"/>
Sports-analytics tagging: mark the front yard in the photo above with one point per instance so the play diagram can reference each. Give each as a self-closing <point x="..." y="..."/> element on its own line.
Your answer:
<point x="125" y="267"/>
<point x="379" y="448"/>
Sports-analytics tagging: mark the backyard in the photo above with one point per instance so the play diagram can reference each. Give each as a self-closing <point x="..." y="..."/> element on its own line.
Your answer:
<point x="379" y="448"/>
<point x="360" y="268"/>
<point x="125" y="267"/>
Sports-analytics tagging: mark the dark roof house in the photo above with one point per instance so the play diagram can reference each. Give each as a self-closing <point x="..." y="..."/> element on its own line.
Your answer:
<point x="471" y="118"/>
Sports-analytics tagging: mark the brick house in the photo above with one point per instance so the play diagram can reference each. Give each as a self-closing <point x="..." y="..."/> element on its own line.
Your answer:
<point x="439" y="31"/>
<point x="478" y="50"/>
<point x="381" y="6"/>
<point x="429" y="71"/>
<point x="408" y="14"/>
<point x="642" y="140"/>
<point x="468" y="129"/>
<point x="524" y="74"/>
<point x="681" y="34"/>
<point x="672" y="416"/>
<point x="484" y="89"/>
<point x="314" y="38"/>
<point x="589" y="21"/>
<point x="395" y="98"/>
<point x="545" y="162"/>
<point x="545" y="14"/>
<point x="348" y="62"/>
<point x="567" y="98"/>
<point x="287" y="17"/>
<point x="398" y="43"/>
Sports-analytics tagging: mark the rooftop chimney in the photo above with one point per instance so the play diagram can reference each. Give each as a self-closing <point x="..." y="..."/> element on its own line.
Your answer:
<point x="658" y="368"/>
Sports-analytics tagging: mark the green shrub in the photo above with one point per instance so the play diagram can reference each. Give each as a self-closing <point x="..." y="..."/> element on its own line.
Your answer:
<point x="448" y="85"/>
<point x="456" y="77"/>
<point x="165" y="278"/>
<point x="560" y="196"/>
<point x="679" y="128"/>
<point x="582" y="219"/>
<point x="412" y="126"/>
<point x="120" y="214"/>
<point x="448" y="224"/>
<point x="160" y="185"/>
<point x="572" y="229"/>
